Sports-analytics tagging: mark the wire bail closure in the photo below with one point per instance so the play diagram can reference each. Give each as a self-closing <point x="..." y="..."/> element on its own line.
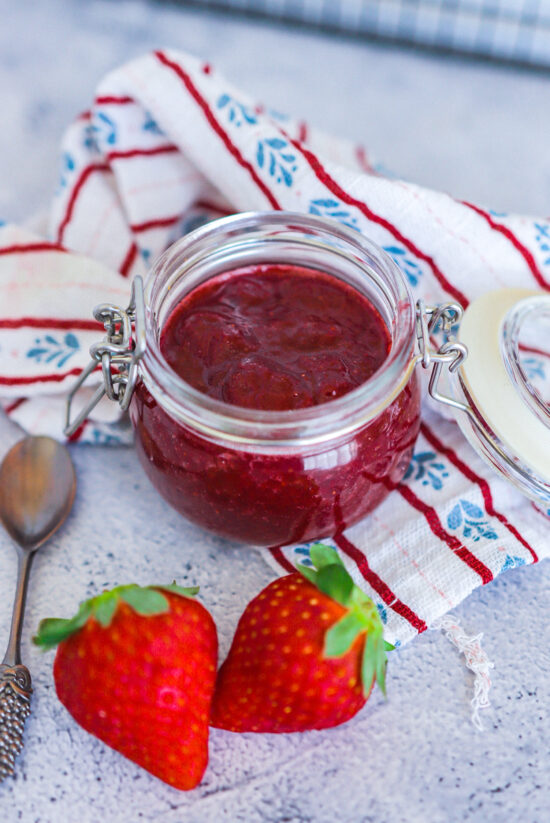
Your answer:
<point x="451" y="353"/>
<point x="118" y="354"/>
<point x="124" y="345"/>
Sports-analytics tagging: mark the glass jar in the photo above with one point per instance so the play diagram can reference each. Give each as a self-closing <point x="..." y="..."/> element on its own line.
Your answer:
<point x="274" y="477"/>
<point x="503" y="388"/>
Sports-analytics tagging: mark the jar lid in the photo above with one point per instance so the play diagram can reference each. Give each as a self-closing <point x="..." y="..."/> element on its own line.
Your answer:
<point x="505" y="381"/>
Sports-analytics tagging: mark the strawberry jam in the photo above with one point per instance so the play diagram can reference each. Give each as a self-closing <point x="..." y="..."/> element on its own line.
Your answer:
<point x="275" y="338"/>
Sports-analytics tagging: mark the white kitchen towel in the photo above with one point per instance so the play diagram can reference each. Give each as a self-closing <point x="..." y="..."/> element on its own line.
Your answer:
<point x="167" y="144"/>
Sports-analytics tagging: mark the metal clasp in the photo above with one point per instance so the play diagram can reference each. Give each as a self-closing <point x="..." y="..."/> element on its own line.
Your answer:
<point x="118" y="354"/>
<point x="450" y="354"/>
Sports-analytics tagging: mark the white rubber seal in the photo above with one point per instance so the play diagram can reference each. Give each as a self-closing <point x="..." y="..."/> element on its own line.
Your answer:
<point x="490" y="387"/>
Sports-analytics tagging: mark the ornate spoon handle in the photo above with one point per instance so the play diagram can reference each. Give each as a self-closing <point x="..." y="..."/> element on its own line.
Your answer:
<point x="15" y="678"/>
<point x="15" y="707"/>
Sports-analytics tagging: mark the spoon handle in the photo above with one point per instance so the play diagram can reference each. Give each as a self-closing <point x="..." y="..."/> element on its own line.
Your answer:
<point x="15" y="707"/>
<point x="15" y="678"/>
<point x="12" y="656"/>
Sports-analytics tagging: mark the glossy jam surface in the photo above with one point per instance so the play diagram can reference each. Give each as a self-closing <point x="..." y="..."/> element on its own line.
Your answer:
<point x="292" y="338"/>
<point x="275" y="338"/>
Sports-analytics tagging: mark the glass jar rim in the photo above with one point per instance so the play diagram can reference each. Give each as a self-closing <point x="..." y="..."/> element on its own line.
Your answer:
<point x="313" y="424"/>
<point x="517" y="318"/>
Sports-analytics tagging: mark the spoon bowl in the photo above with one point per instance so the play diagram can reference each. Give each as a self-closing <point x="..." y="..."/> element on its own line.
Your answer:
<point x="37" y="488"/>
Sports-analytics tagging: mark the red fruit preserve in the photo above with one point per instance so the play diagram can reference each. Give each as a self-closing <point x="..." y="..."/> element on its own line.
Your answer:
<point x="275" y="338"/>
<point x="276" y="420"/>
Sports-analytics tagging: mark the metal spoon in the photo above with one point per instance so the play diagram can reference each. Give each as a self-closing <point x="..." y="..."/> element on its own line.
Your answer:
<point x="37" y="487"/>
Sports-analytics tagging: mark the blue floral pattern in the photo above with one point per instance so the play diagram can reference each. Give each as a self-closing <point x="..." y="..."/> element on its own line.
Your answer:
<point x="151" y="125"/>
<point x="273" y="153"/>
<point x="68" y="165"/>
<point x="303" y="553"/>
<point x="384" y="171"/>
<point x="512" y="562"/>
<point x="427" y="467"/>
<point x="277" y="115"/>
<point x="408" y="266"/>
<point x="328" y="207"/>
<point x="471" y="520"/>
<point x="542" y="237"/>
<point x="237" y="112"/>
<point x="49" y="349"/>
<point x="533" y="367"/>
<point x="90" y="141"/>
<point x="103" y="128"/>
<point x="383" y="612"/>
<point x="102" y="438"/>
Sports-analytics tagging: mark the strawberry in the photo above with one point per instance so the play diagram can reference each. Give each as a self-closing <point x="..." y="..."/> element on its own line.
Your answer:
<point x="136" y="667"/>
<point x="305" y="655"/>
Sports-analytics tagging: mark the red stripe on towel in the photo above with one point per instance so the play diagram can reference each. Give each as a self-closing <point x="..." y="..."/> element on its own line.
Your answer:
<point x="451" y="540"/>
<point x="204" y="204"/>
<point x="159" y="223"/>
<point x="15" y="405"/>
<point x="523" y="250"/>
<point x="46" y="378"/>
<point x="77" y="434"/>
<point x="112" y="100"/>
<point x="302" y="131"/>
<point x="337" y="190"/>
<point x="25" y="248"/>
<point x="363" y="161"/>
<point x="169" y="148"/>
<point x="376" y="582"/>
<point x="49" y="323"/>
<point x="129" y="260"/>
<point x="199" y="99"/>
<point x="281" y="559"/>
<point x="532" y="350"/>
<point x="74" y="195"/>
<point x="479" y="481"/>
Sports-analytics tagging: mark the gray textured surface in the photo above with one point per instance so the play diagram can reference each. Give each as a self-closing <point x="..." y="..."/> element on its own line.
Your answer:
<point x="414" y="758"/>
<point x="478" y="131"/>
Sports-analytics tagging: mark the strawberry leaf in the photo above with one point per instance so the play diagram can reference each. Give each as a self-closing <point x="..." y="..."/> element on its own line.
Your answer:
<point x="51" y="631"/>
<point x="105" y="607"/>
<point x="381" y="664"/>
<point x="389" y="647"/>
<point x="361" y="618"/>
<point x="373" y="665"/>
<point x="329" y="574"/>
<point x="54" y="630"/>
<point x="144" y="601"/>
<point x="368" y="664"/>
<point x="322" y="556"/>
<point x="309" y="573"/>
<point x="335" y="581"/>
<point x="82" y="615"/>
<point x="340" y="638"/>
<point x="191" y="591"/>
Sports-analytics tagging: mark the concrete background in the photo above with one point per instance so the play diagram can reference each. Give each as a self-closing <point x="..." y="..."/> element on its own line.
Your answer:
<point x="478" y="131"/>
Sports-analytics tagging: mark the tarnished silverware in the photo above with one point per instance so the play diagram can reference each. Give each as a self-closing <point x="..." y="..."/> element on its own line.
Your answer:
<point x="37" y="488"/>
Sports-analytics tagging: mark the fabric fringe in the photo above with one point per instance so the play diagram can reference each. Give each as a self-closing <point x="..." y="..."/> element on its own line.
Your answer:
<point x="476" y="660"/>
